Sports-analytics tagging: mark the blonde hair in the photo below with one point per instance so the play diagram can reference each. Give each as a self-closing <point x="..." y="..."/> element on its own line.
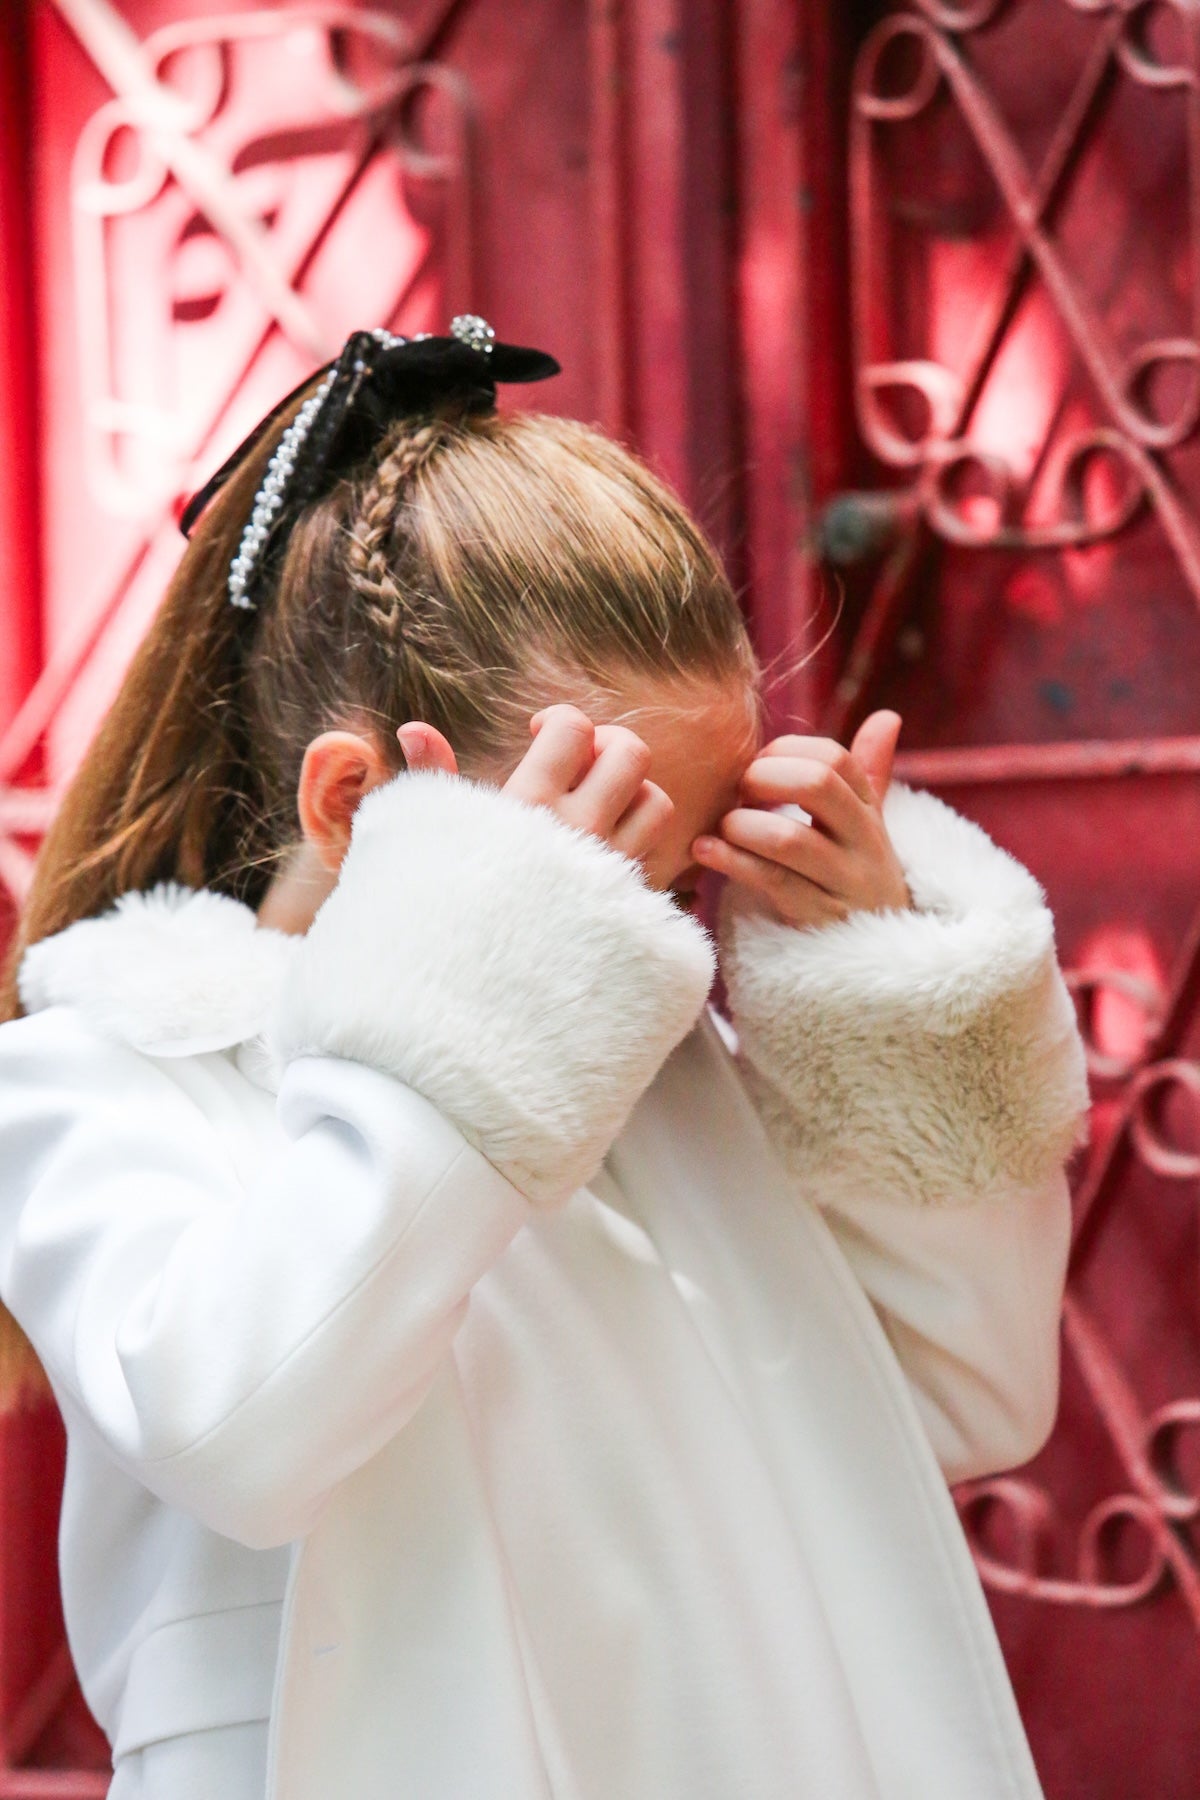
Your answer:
<point x="466" y="568"/>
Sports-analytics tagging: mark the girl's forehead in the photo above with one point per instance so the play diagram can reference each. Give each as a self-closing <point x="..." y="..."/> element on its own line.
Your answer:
<point x="711" y="716"/>
<point x="701" y="737"/>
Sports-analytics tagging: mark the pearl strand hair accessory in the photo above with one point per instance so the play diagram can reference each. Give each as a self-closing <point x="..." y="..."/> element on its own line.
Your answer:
<point x="270" y="496"/>
<point x="377" y="379"/>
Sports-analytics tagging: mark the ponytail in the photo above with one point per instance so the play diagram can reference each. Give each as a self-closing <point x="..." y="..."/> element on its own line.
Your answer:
<point x="165" y="790"/>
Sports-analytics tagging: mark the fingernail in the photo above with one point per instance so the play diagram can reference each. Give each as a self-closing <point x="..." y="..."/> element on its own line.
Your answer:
<point x="703" y="846"/>
<point x="413" y="742"/>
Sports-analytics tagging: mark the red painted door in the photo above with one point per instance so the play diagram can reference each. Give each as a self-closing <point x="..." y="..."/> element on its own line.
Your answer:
<point x="902" y="299"/>
<point x="1023" y="578"/>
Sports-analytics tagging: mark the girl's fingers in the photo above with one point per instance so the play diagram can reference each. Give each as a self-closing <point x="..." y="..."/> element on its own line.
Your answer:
<point x="795" y="899"/>
<point x="874" y="749"/>
<point x="613" y="783"/>
<point x="814" y="873"/>
<point x="593" y="777"/>
<point x="643" y="823"/>
<point x="562" y="752"/>
<point x="424" y="747"/>
<point x="843" y="762"/>
<point x="790" y="843"/>
<point x="816" y="786"/>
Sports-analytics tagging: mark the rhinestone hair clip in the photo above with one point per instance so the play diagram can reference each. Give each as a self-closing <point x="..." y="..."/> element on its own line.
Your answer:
<point x="468" y="328"/>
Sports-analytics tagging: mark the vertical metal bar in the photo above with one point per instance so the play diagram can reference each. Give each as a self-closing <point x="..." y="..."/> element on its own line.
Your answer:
<point x="609" y="180"/>
<point x="785" y="303"/>
<point x="709" y="241"/>
<point x="20" y="585"/>
<point x="660" y="129"/>
<point x="657" y="201"/>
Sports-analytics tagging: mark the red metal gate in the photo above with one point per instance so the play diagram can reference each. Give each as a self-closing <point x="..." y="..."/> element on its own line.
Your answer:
<point x="910" y="290"/>
<point x="1025" y="219"/>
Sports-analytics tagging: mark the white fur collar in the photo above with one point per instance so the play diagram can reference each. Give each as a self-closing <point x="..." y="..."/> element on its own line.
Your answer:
<point x="172" y="972"/>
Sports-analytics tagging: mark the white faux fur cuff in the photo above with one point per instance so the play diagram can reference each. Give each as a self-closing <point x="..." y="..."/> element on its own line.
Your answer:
<point x="172" y="971"/>
<point x="516" y="972"/>
<point x="929" y="1056"/>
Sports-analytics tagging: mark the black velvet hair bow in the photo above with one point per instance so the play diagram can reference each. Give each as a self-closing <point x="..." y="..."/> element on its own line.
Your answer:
<point x="376" y="380"/>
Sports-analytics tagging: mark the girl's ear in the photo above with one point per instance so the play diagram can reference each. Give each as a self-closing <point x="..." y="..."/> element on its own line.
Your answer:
<point x="339" y="768"/>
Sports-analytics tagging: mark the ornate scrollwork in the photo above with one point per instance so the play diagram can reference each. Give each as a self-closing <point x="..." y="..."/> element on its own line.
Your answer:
<point x="910" y="60"/>
<point x="203" y="261"/>
<point x="920" y="414"/>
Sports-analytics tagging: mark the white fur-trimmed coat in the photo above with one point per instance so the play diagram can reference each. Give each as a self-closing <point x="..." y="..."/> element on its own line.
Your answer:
<point x="482" y="1382"/>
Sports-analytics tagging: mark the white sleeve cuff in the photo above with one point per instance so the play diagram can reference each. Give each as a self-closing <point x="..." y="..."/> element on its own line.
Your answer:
<point x="931" y="1055"/>
<point x="516" y="972"/>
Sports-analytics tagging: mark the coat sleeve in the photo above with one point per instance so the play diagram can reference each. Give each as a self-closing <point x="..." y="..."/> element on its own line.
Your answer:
<point x="242" y="1344"/>
<point x="922" y="1076"/>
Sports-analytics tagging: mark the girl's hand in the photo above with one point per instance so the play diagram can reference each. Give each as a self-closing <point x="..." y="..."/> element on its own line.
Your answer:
<point x="843" y="861"/>
<point x="590" y="776"/>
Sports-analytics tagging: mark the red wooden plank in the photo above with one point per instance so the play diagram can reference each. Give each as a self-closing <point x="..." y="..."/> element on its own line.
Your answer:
<point x="53" y="1784"/>
<point x="991" y="764"/>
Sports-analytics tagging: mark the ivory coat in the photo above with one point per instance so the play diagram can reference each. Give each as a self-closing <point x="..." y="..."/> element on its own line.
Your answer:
<point x="487" y="1380"/>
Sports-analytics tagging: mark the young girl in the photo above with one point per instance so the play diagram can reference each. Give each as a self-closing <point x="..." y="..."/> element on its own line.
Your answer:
<point x="486" y="1376"/>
